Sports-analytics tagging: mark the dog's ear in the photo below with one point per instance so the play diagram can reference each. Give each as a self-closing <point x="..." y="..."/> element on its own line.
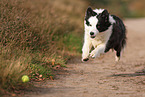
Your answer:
<point x="105" y="14"/>
<point x="89" y="13"/>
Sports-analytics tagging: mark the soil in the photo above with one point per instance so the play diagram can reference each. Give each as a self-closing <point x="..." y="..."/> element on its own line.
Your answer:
<point x="103" y="77"/>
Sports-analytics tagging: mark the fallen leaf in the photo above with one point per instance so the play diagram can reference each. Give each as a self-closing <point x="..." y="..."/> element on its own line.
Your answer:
<point x="53" y="61"/>
<point x="13" y="95"/>
<point x="40" y="75"/>
<point x="51" y="77"/>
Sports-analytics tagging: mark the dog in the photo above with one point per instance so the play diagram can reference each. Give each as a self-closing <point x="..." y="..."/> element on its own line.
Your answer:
<point x="102" y="32"/>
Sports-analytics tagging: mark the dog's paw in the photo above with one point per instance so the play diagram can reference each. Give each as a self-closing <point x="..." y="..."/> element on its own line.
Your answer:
<point x="85" y="59"/>
<point x="117" y="59"/>
<point x="94" y="54"/>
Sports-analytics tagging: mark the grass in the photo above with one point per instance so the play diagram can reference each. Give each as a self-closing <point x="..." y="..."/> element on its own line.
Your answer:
<point x="12" y="71"/>
<point x="33" y="35"/>
<point x="70" y="39"/>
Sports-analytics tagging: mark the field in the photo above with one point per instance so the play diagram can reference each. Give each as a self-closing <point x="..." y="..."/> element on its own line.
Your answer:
<point x="38" y="37"/>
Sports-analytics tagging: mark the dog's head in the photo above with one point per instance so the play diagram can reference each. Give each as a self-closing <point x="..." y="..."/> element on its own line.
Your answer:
<point x="96" y="21"/>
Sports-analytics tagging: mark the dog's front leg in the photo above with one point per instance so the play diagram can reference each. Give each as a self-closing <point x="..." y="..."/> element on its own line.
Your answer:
<point x="97" y="51"/>
<point x="85" y="50"/>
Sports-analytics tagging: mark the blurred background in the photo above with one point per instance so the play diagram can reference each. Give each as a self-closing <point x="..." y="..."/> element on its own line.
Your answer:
<point x="122" y="8"/>
<point x="38" y="37"/>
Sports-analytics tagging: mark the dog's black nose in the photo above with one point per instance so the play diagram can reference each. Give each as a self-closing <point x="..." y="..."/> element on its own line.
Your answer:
<point x="91" y="33"/>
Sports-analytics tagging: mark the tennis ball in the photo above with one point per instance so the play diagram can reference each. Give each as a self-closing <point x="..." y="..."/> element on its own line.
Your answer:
<point x="25" y="78"/>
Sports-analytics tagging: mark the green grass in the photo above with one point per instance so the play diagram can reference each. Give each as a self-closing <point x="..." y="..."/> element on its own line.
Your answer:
<point x="73" y="42"/>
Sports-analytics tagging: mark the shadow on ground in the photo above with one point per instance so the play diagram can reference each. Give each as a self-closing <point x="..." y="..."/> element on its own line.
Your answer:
<point x="138" y="73"/>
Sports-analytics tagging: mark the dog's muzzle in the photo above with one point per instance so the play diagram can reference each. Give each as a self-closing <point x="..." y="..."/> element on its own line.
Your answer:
<point x="92" y="35"/>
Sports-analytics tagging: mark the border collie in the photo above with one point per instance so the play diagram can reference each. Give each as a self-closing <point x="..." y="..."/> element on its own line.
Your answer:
<point x="102" y="32"/>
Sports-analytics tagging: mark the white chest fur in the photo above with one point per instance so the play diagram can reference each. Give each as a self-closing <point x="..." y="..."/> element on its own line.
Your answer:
<point x="101" y="38"/>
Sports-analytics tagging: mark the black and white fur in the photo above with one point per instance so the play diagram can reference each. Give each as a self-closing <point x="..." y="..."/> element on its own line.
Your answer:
<point x="103" y="32"/>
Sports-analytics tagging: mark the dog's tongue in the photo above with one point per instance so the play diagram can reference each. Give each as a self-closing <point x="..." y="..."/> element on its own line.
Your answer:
<point x="92" y="36"/>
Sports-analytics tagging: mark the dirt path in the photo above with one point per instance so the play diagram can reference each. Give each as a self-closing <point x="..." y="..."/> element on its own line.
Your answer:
<point x="101" y="77"/>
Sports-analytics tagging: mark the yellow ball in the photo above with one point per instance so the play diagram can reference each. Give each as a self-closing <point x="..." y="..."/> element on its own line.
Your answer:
<point x="25" y="78"/>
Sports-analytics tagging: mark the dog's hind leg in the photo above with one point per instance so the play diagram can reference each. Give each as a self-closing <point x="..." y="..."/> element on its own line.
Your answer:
<point x="118" y="53"/>
<point x="117" y="57"/>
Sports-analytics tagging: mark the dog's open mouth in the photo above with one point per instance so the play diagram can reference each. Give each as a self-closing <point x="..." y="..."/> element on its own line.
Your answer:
<point x="92" y="36"/>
